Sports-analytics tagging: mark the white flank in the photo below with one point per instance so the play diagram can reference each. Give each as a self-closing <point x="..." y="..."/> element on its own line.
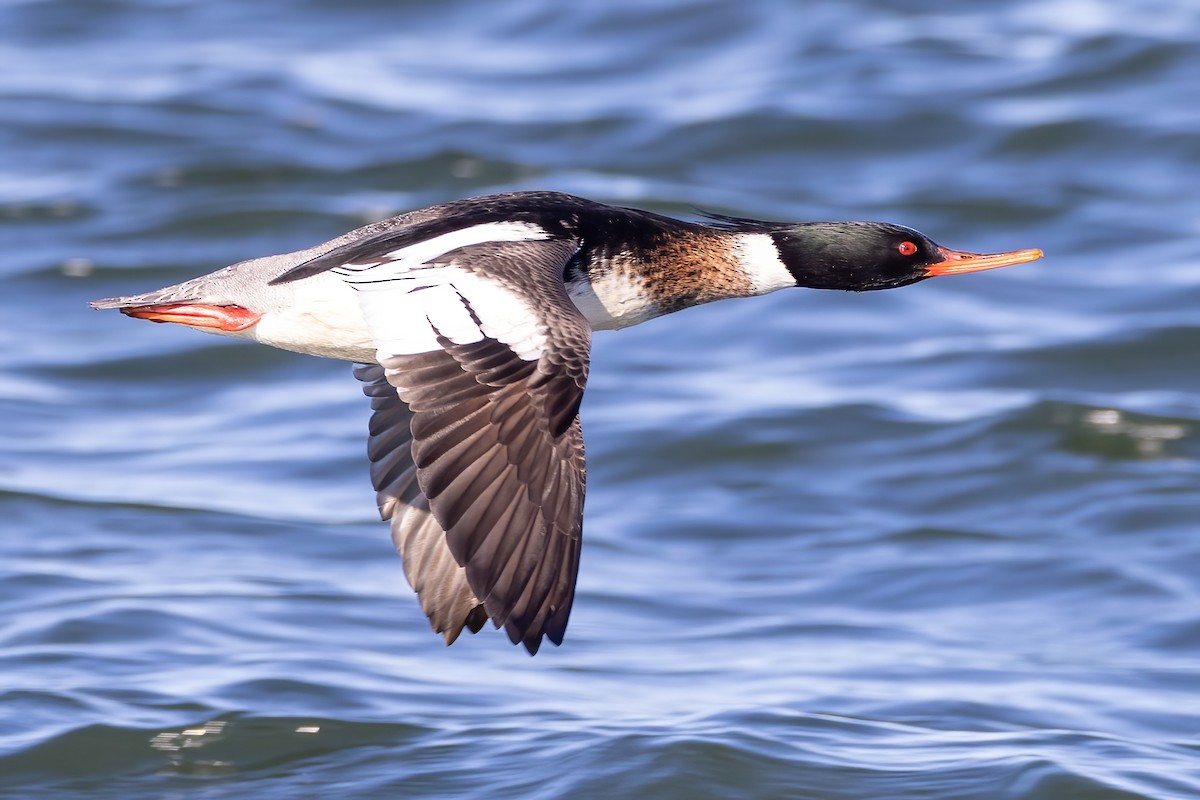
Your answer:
<point x="612" y="301"/>
<point x="759" y="259"/>
<point x="320" y="316"/>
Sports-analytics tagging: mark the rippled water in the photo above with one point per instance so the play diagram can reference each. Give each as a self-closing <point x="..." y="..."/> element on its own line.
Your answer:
<point x="939" y="542"/>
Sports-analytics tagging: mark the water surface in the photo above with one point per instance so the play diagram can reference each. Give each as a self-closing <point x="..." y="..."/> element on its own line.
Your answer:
<point x="939" y="542"/>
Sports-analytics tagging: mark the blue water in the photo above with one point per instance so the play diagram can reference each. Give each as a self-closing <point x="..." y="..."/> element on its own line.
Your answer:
<point x="940" y="542"/>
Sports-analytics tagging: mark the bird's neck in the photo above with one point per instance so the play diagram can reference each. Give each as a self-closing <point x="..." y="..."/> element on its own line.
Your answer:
<point x="623" y="288"/>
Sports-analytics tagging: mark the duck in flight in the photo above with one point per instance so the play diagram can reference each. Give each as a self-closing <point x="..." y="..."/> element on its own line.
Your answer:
<point x="470" y="324"/>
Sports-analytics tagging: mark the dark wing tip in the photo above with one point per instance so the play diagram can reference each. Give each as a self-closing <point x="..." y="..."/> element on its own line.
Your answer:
<point x="473" y="623"/>
<point x="531" y="640"/>
<point x="476" y="618"/>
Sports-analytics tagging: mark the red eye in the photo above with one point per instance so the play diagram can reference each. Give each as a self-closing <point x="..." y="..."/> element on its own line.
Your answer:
<point x="907" y="248"/>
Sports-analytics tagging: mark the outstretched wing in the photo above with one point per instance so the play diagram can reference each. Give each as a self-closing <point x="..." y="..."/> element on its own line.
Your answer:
<point x="438" y="579"/>
<point x="476" y="450"/>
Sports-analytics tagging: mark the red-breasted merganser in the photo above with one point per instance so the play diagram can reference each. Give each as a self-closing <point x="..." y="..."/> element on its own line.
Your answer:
<point x="471" y="325"/>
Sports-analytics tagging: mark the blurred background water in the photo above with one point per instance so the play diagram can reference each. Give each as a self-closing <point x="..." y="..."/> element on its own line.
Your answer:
<point x="939" y="542"/>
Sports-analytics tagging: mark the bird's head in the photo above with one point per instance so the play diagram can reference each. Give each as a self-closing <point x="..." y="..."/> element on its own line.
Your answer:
<point x="859" y="256"/>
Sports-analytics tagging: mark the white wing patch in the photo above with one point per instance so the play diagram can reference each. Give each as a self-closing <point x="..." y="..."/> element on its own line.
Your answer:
<point x="408" y="304"/>
<point x="414" y="255"/>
